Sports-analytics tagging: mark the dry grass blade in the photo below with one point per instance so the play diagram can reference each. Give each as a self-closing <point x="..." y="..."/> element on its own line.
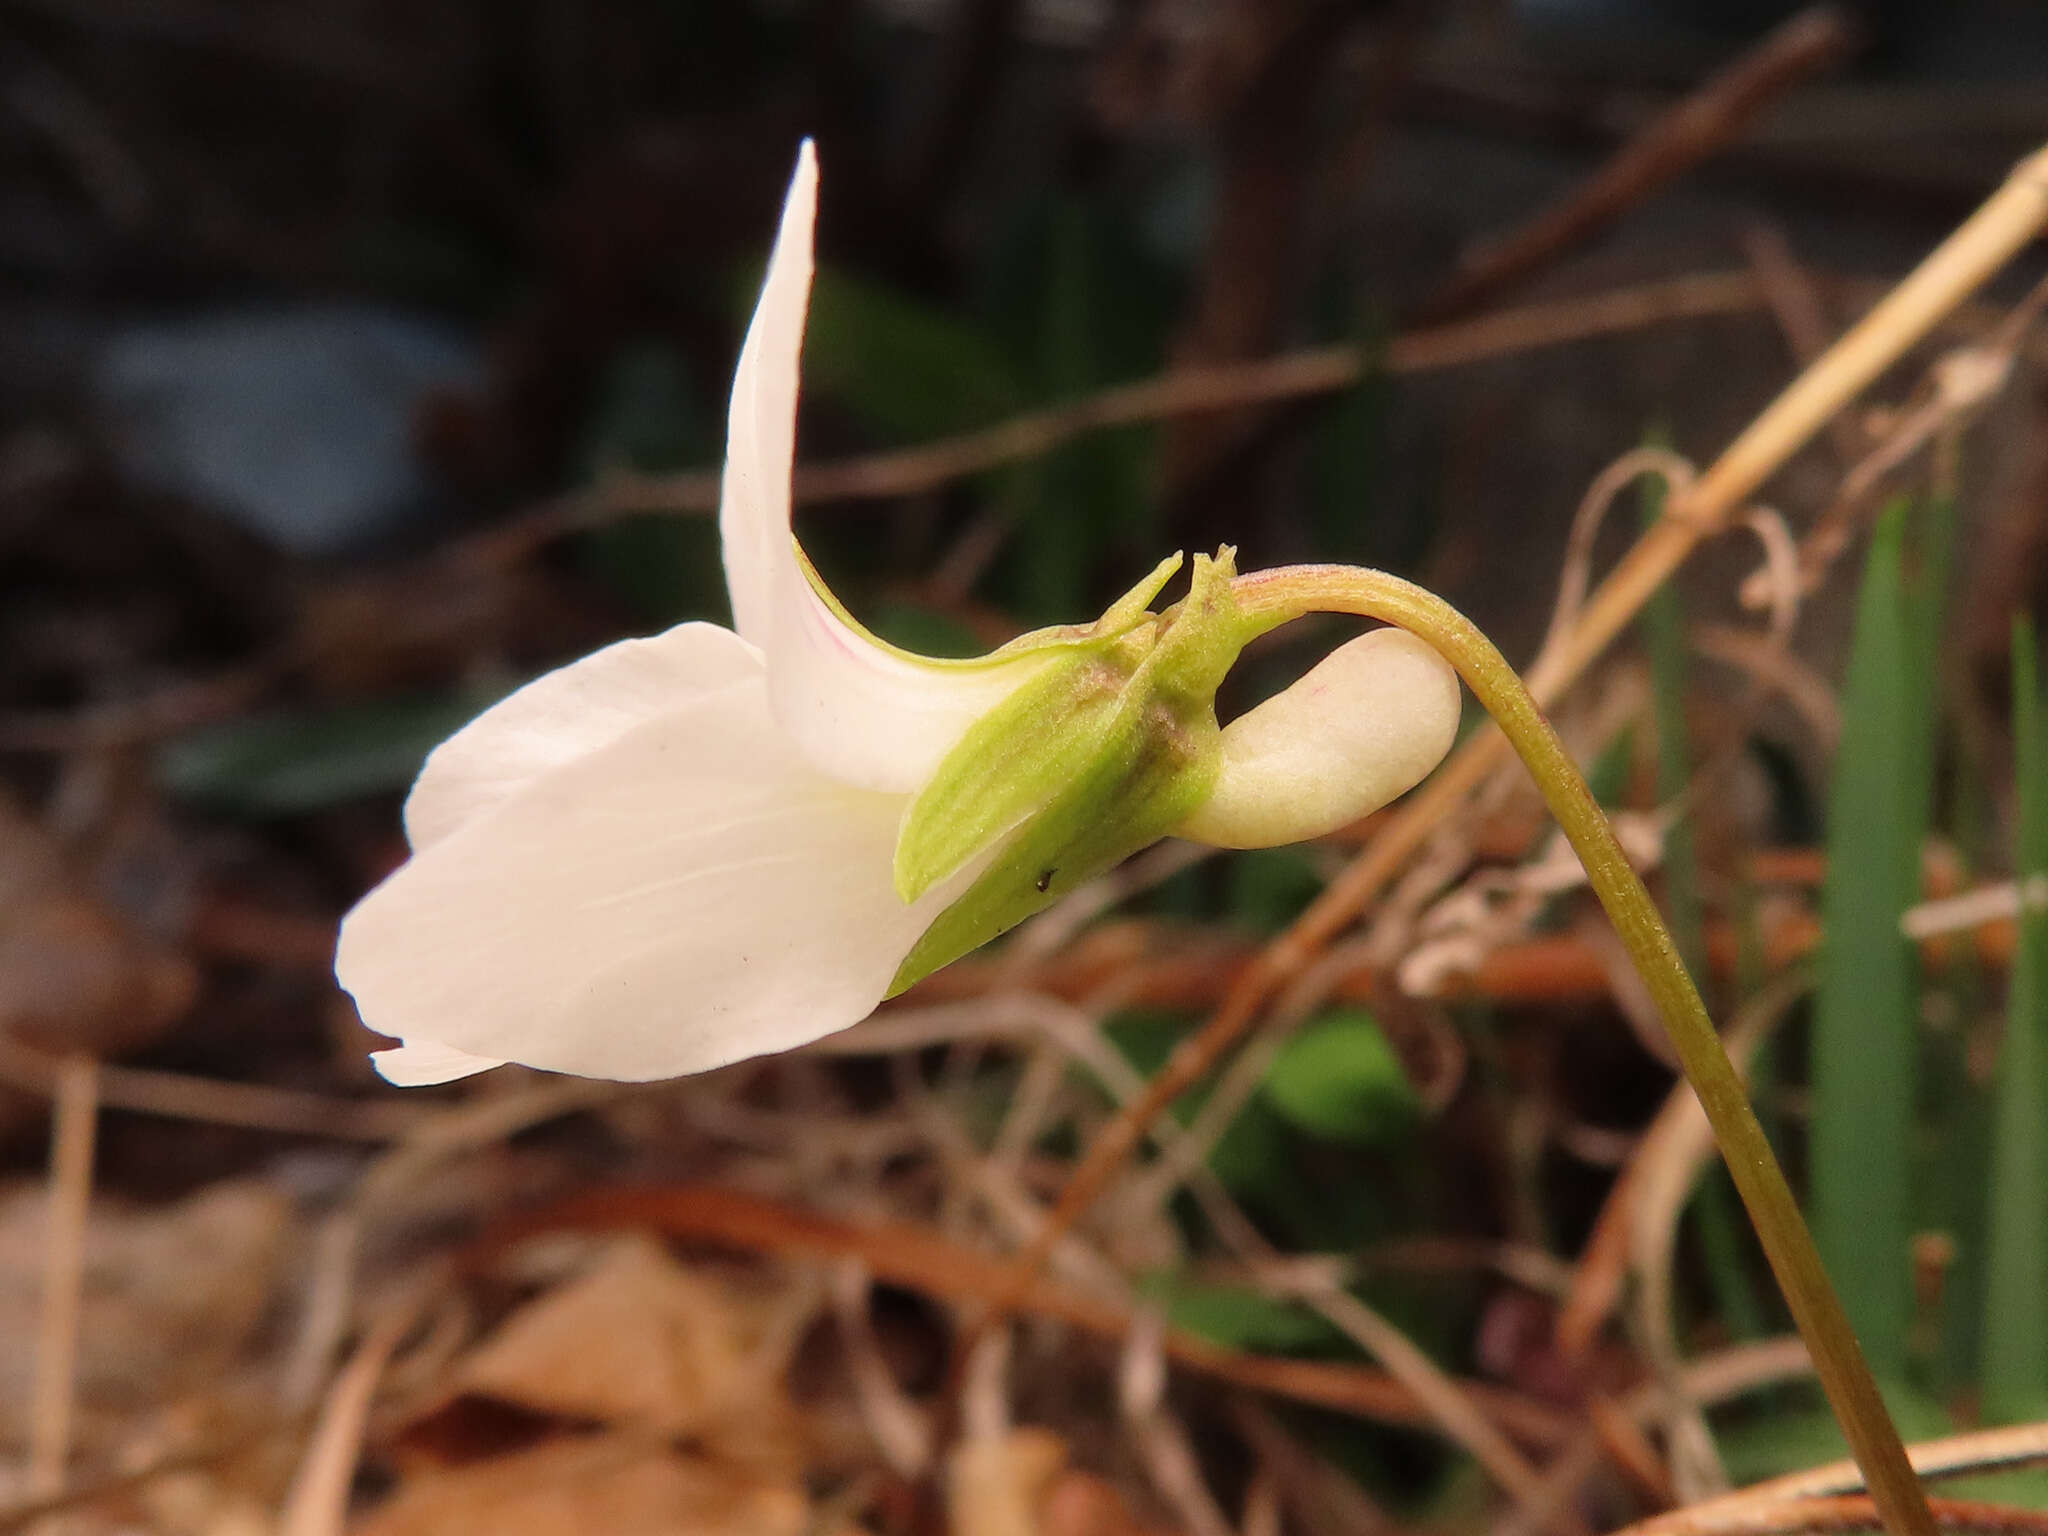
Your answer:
<point x="1322" y="1497"/>
<point x="1856" y="1512"/>
<point x="1992" y="1450"/>
<point x="448" y="1133"/>
<point x="1712" y="1379"/>
<point x="1959" y="385"/>
<point x="1448" y="1403"/>
<point x="901" y="1433"/>
<point x="1641" y="1212"/>
<point x="1161" y="1441"/>
<point x="318" y="1502"/>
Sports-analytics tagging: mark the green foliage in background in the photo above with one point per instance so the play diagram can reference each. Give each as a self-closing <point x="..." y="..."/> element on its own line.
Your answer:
<point x="292" y="761"/>
<point x="1338" y="1078"/>
<point x="2015" y="1373"/>
<point x="1865" y="1030"/>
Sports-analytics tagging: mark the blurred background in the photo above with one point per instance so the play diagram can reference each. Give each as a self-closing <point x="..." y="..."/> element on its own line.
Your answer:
<point x="359" y="361"/>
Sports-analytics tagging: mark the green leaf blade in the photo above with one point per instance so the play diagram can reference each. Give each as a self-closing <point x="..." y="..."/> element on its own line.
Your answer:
<point x="1865" y="1040"/>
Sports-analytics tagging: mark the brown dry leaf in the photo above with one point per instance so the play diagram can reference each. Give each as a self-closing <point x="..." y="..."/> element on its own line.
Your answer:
<point x="195" y="1503"/>
<point x="612" y="1484"/>
<point x="998" y="1487"/>
<point x="236" y="1468"/>
<point x="1082" y="1504"/>
<point x="636" y="1341"/>
<point x="171" y="1297"/>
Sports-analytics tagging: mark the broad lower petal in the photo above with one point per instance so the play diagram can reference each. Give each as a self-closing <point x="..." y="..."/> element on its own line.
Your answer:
<point x="688" y="895"/>
<point x="566" y="714"/>
<point x="862" y="712"/>
<point x="1366" y="724"/>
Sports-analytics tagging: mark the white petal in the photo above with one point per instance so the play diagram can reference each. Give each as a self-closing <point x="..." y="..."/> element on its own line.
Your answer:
<point x="760" y="446"/>
<point x="870" y="716"/>
<point x="862" y="712"/>
<point x="567" y="714"/>
<point x="688" y="895"/>
<point x="1365" y="725"/>
<point x="422" y="1064"/>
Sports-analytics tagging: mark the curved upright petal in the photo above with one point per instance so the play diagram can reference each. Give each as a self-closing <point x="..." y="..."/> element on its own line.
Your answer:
<point x="566" y="714"/>
<point x="760" y="444"/>
<point x="689" y="894"/>
<point x="862" y="712"/>
<point x="1363" y="726"/>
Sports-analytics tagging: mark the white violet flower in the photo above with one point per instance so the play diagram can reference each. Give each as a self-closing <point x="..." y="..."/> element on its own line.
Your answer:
<point x="686" y="850"/>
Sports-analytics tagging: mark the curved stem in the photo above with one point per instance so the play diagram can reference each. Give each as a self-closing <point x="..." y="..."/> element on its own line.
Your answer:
<point x="1290" y="592"/>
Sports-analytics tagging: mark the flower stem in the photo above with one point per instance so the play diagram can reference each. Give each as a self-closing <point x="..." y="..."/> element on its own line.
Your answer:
<point x="1290" y="592"/>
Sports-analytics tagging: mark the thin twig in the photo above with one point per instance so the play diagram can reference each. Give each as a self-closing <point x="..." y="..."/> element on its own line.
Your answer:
<point x="1698" y="126"/>
<point x="1677" y="473"/>
<point x="218" y="1101"/>
<point x="1661" y="1179"/>
<point x="1713" y="1379"/>
<point x="71" y="1158"/>
<point x="1642" y="1207"/>
<point x="899" y="1428"/>
<point x="1323" y="1498"/>
<point x="1978" y="908"/>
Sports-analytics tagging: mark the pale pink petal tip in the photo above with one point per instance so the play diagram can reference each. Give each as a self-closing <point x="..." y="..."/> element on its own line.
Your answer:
<point x="422" y="1064"/>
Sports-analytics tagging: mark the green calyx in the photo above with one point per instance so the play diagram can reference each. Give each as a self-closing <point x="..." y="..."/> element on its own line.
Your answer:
<point x="1103" y="752"/>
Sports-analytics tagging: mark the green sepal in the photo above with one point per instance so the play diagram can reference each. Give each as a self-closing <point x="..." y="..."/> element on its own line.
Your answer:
<point x="1097" y="757"/>
<point x="1126" y="613"/>
<point x="1122" y="615"/>
<point x="1015" y="758"/>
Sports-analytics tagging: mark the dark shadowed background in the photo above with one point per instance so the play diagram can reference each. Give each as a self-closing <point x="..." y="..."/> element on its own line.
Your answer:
<point x="357" y="359"/>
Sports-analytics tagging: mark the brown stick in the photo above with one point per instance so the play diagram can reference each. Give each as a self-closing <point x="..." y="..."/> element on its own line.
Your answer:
<point x="1676" y="141"/>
